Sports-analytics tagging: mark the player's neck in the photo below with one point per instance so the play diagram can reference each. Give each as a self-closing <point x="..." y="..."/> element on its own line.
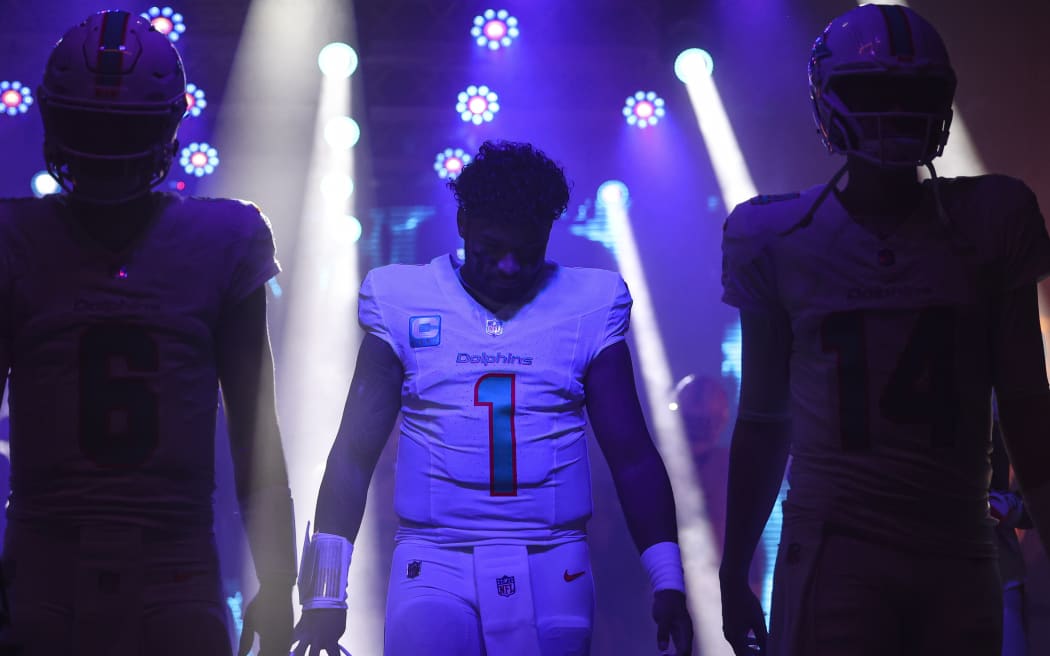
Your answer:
<point x="114" y="226"/>
<point x="880" y="198"/>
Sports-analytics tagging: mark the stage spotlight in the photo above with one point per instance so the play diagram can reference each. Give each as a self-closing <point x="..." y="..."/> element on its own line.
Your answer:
<point x="43" y="184"/>
<point x="167" y="21"/>
<point x="693" y="62"/>
<point x="199" y="159"/>
<point x="477" y="105"/>
<point x="342" y="132"/>
<point x="337" y="59"/>
<point x="450" y="162"/>
<point x="494" y="29"/>
<point x="644" y="109"/>
<point x="337" y="187"/>
<point x="195" y="101"/>
<point x="15" y="98"/>
<point x="613" y="193"/>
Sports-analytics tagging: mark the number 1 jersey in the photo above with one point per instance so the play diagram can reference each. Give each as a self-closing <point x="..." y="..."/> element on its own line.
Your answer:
<point x="492" y="445"/>
<point x="113" y="383"/>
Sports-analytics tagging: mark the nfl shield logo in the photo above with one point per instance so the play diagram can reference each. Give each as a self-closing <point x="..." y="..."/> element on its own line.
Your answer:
<point x="493" y="327"/>
<point x="505" y="586"/>
<point x="414" y="568"/>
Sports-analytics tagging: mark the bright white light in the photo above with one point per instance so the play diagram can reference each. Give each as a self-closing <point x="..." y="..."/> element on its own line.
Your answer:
<point x="337" y="187"/>
<point x="734" y="177"/>
<point x="695" y="535"/>
<point x="342" y="132"/>
<point x="613" y="193"/>
<point x="43" y="184"/>
<point x="353" y="228"/>
<point x="693" y="63"/>
<point x="337" y="60"/>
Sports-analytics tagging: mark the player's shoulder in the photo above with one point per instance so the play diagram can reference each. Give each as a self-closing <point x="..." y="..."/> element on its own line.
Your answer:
<point x="404" y="284"/>
<point x="226" y="214"/>
<point x="26" y="208"/>
<point x="991" y="191"/>
<point x="760" y="220"/>
<point x="587" y="283"/>
<point x="767" y="213"/>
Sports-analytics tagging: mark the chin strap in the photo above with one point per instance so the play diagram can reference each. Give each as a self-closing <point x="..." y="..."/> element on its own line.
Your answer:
<point x="807" y="218"/>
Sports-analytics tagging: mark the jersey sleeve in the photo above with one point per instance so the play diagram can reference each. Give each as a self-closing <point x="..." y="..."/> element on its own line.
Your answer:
<point x="255" y="253"/>
<point x="748" y="280"/>
<point x="1026" y="249"/>
<point x="370" y="311"/>
<point x="618" y="320"/>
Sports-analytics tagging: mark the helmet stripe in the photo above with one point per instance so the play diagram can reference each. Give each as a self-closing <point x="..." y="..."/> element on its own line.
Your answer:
<point x="110" y="61"/>
<point x="901" y="42"/>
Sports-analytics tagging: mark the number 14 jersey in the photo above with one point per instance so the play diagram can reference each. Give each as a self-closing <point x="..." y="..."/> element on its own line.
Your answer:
<point x="492" y="444"/>
<point x="891" y="365"/>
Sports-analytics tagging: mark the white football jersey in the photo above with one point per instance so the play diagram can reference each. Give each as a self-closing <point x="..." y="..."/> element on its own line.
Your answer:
<point x="891" y="369"/>
<point x="492" y="444"/>
<point x="113" y="377"/>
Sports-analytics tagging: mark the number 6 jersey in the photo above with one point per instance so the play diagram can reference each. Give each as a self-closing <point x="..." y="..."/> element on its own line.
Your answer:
<point x="492" y="444"/>
<point x="891" y="366"/>
<point x="113" y="384"/>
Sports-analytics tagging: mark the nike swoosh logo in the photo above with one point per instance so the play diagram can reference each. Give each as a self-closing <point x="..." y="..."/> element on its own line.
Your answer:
<point x="569" y="578"/>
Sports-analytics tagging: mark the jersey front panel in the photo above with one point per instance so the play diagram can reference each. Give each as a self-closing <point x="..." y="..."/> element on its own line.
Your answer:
<point x="492" y="441"/>
<point x="113" y="375"/>
<point x="890" y="368"/>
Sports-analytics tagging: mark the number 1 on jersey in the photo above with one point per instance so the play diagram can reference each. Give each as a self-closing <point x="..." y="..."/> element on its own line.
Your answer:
<point x="497" y="392"/>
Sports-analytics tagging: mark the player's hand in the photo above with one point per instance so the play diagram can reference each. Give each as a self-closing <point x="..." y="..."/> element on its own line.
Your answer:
<point x="269" y="614"/>
<point x="1005" y="507"/>
<point x="320" y="629"/>
<point x="672" y="622"/>
<point x="743" y="622"/>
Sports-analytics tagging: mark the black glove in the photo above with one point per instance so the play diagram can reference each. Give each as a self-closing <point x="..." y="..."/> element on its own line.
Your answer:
<point x="743" y="622"/>
<point x="320" y="629"/>
<point x="269" y="614"/>
<point x="672" y="621"/>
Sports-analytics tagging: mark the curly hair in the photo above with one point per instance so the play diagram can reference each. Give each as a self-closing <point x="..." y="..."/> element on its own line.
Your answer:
<point x="511" y="182"/>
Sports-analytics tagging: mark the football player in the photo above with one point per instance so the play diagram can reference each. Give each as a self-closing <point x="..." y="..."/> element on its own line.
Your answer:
<point x="877" y="318"/>
<point x="123" y="311"/>
<point x="495" y="363"/>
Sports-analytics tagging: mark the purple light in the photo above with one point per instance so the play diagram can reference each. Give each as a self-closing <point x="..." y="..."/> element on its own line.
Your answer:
<point x="450" y="162"/>
<point x="167" y="21"/>
<point x="477" y="104"/>
<point x="494" y="29"/>
<point x="15" y="98"/>
<point x="643" y="109"/>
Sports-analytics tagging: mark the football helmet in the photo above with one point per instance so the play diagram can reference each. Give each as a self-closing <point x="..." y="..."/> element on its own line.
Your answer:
<point x="112" y="97"/>
<point x="882" y="86"/>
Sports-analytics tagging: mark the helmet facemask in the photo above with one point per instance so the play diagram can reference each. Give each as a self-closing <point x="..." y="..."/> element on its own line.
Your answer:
<point x="882" y="87"/>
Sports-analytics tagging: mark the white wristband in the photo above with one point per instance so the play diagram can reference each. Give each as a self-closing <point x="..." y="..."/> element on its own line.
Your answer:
<point x="663" y="562"/>
<point x="323" y="571"/>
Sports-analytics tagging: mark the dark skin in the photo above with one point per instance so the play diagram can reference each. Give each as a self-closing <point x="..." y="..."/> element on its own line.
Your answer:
<point x="503" y="267"/>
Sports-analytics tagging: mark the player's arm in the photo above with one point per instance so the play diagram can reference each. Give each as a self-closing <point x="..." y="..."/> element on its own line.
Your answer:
<point x="1024" y="400"/>
<point x="757" y="458"/>
<point x="245" y="366"/>
<point x="368" y="417"/>
<point x="641" y="484"/>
